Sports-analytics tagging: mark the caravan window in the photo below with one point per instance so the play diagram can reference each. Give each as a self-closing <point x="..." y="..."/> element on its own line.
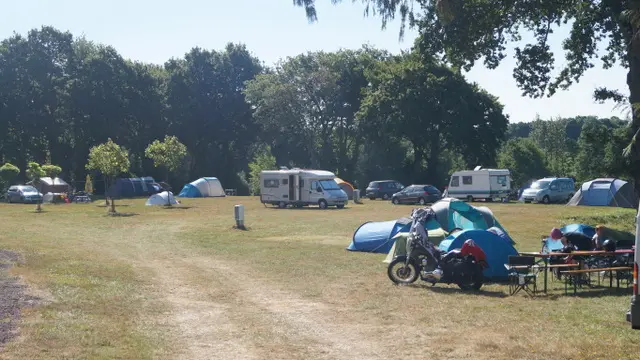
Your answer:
<point x="502" y="180"/>
<point x="455" y="181"/>
<point x="467" y="180"/>
<point x="285" y="181"/>
<point x="271" y="183"/>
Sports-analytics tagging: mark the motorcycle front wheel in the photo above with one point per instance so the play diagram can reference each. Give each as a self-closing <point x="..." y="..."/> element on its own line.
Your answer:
<point x="402" y="274"/>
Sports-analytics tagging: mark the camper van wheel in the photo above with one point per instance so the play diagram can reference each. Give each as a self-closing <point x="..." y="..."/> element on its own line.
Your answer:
<point x="282" y="205"/>
<point x="469" y="198"/>
<point x="545" y="199"/>
<point x="322" y="204"/>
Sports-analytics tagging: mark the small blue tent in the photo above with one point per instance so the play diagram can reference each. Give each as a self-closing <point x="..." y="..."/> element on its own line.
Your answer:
<point x="606" y="192"/>
<point x="134" y="187"/>
<point x="377" y="236"/>
<point x="496" y="247"/>
<point x="203" y="187"/>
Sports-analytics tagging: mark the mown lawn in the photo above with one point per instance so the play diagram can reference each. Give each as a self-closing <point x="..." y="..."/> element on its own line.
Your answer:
<point x="103" y="284"/>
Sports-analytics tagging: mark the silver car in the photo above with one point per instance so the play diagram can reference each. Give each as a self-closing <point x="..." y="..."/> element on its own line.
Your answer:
<point x="549" y="190"/>
<point x="23" y="194"/>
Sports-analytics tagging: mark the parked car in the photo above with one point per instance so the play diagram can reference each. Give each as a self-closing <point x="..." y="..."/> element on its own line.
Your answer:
<point x="550" y="190"/>
<point x="417" y="194"/>
<point x="383" y="189"/>
<point x="23" y="194"/>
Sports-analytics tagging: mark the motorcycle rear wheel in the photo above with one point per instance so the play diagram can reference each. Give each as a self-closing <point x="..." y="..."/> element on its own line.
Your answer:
<point x="401" y="275"/>
<point x="475" y="284"/>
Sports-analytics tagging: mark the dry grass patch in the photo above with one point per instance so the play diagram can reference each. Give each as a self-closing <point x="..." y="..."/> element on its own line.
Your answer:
<point x="185" y="284"/>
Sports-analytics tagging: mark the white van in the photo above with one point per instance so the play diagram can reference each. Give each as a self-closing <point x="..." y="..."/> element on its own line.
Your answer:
<point x="487" y="184"/>
<point x="298" y="187"/>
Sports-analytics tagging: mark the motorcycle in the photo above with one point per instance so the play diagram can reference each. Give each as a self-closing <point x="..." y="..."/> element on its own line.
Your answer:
<point x="432" y="265"/>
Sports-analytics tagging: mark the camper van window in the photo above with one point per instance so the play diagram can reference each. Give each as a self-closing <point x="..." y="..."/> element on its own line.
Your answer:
<point x="271" y="183"/>
<point x="502" y="180"/>
<point x="467" y="180"/>
<point x="455" y="181"/>
<point x="329" y="185"/>
<point x="285" y="181"/>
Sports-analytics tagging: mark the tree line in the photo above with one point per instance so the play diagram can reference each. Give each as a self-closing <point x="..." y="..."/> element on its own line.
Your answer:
<point x="582" y="147"/>
<point x="364" y="114"/>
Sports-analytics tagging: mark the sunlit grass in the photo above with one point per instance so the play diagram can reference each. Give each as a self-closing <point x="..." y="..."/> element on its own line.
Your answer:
<point x="101" y="300"/>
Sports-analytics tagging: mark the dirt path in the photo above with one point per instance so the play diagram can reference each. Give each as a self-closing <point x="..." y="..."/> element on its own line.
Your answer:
<point x="221" y="311"/>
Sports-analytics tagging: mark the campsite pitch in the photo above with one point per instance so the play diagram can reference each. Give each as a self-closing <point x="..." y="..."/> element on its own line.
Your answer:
<point x="184" y="284"/>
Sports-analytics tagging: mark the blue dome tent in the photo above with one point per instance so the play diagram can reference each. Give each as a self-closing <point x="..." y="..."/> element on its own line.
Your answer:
<point x="496" y="247"/>
<point x="377" y="236"/>
<point x="203" y="187"/>
<point x="450" y="214"/>
<point x="605" y="192"/>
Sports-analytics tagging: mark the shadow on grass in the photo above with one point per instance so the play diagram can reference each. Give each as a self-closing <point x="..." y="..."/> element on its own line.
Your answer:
<point x="173" y="207"/>
<point x="313" y="208"/>
<point x="588" y="293"/>
<point x="119" y="214"/>
<point x="449" y="289"/>
<point x="117" y="205"/>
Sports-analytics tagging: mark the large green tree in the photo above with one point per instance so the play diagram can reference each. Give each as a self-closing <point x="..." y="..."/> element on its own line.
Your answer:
<point x="306" y="107"/>
<point x="524" y="159"/>
<point x="462" y="32"/>
<point x="417" y="99"/>
<point x="111" y="160"/>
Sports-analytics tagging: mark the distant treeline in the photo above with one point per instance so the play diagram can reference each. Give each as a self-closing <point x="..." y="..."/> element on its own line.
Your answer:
<point x="364" y="114"/>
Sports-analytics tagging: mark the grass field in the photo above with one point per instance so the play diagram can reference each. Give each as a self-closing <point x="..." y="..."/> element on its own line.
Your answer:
<point x="183" y="284"/>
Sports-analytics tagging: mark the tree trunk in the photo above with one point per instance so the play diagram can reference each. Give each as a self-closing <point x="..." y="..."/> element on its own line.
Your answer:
<point x="434" y="161"/>
<point x="633" y="81"/>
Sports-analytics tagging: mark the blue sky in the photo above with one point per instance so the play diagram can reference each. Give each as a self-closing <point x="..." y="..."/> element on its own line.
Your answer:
<point x="154" y="31"/>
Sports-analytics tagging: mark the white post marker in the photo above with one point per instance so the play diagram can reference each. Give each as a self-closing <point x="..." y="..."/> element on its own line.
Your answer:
<point x="239" y="215"/>
<point x="356" y="196"/>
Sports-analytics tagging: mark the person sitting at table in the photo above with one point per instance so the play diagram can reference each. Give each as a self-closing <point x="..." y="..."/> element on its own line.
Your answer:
<point x="571" y="241"/>
<point x="598" y="239"/>
<point x="580" y="241"/>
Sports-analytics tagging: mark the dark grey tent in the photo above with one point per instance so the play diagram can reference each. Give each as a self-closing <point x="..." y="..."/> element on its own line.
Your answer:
<point x="605" y="192"/>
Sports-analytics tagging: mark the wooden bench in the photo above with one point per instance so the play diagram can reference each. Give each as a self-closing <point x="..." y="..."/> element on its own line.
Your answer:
<point x="574" y="274"/>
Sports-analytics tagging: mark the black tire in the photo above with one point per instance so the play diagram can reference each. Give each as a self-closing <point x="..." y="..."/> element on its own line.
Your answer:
<point x="422" y="201"/>
<point x="282" y="205"/>
<point x="323" y="204"/>
<point x="385" y="197"/>
<point x="395" y="201"/>
<point x="545" y="199"/>
<point x="399" y="278"/>
<point x="340" y="206"/>
<point x="475" y="285"/>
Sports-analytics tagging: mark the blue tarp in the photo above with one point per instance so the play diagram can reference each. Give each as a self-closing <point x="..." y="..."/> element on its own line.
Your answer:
<point x="496" y="247"/>
<point x="377" y="237"/>
<point x="580" y="228"/>
<point x="134" y="187"/>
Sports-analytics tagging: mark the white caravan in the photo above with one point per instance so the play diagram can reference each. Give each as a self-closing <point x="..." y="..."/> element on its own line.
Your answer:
<point x="487" y="184"/>
<point x="297" y="187"/>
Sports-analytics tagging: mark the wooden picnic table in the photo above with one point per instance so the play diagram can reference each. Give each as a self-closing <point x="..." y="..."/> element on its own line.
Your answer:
<point x="548" y="255"/>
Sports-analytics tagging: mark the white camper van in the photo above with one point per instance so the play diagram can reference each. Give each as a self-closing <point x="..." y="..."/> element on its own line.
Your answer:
<point x="298" y="187"/>
<point x="487" y="184"/>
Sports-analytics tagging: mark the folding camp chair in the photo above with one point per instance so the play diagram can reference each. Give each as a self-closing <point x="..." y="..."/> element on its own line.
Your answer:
<point x="522" y="274"/>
